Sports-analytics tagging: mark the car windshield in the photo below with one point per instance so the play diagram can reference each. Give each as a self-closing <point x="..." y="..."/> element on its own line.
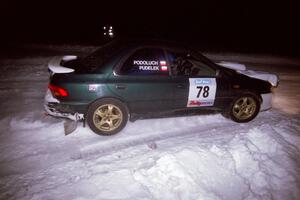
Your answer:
<point x="100" y="56"/>
<point x="203" y="58"/>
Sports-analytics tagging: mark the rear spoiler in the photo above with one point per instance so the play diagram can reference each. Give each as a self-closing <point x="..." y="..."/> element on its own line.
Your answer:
<point x="55" y="67"/>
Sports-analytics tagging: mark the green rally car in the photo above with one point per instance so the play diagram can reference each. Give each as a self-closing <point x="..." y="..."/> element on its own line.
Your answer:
<point x="124" y="81"/>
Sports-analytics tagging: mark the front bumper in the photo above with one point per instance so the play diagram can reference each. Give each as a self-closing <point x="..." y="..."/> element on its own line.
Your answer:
<point x="51" y="104"/>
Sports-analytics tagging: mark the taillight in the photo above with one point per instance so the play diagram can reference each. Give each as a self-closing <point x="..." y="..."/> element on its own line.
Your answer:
<point x="58" y="91"/>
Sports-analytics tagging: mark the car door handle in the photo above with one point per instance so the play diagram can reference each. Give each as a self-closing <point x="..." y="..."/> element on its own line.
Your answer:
<point x="121" y="87"/>
<point x="180" y="86"/>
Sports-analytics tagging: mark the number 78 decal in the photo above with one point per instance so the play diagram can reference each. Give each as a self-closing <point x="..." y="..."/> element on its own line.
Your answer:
<point x="202" y="92"/>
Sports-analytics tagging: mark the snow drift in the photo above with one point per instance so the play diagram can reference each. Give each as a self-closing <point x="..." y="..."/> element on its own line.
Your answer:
<point x="240" y="169"/>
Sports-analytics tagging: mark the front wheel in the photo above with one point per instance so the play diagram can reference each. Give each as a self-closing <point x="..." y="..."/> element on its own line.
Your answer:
<point x="244" y="108"/>
<point x="107" y="116"/>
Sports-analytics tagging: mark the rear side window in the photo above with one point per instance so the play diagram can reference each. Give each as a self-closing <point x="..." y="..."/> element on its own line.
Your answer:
<point x="99" y="57"/>
<point x="147" y="61"/>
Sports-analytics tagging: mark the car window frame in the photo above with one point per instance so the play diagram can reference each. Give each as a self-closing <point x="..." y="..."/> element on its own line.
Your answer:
<point x="203" y="59"/>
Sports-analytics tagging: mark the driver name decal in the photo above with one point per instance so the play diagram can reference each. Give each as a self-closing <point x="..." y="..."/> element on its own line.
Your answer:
<point x="202" y="92"/>
<point x="145" y="62"/>
<point x="151" y="65"/>
<point x="153" y="68"/>
<point x="147" y="65"/>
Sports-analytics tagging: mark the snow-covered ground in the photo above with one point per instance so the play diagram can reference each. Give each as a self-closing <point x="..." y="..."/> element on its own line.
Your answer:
<point x="196" y="157"/>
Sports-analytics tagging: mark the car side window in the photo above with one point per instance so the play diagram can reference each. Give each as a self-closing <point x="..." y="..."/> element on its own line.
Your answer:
<point x="185" y="64"/>
<point x="146" y="61"/>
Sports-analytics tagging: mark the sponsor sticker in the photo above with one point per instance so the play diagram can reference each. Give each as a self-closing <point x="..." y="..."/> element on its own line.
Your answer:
<point x="203" y="81"/>
<point x="194" y="103"/>
<point x="93" y="87"/>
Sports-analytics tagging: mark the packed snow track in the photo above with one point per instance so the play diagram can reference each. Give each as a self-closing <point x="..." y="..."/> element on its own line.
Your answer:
<point x="189" y="157"/>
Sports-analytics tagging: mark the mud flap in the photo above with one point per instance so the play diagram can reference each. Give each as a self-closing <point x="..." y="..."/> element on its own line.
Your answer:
<point x="71" y="125"/>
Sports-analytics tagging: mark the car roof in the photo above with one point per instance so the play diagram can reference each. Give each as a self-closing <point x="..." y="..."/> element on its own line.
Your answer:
<point x="135" y="43"/>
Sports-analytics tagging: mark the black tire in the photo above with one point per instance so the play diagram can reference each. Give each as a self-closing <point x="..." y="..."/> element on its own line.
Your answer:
<point x="225" y="114"/>
<point x="103" y="116"/>
<point x="244" y="108"/>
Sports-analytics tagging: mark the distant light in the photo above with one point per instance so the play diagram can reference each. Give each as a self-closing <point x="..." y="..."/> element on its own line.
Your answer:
<point x="108" y="31"/>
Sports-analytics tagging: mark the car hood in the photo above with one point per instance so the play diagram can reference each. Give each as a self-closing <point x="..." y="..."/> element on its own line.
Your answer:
<point x="241" y="68"/>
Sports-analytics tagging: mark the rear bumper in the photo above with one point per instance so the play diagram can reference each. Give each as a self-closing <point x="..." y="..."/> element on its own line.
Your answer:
<point x="266" y="102"/>
<point x="54" y="108"/>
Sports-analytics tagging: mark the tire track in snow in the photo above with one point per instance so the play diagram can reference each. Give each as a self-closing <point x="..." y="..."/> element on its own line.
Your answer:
<point x="104" y="148"/>
<point x="225" y="127"/>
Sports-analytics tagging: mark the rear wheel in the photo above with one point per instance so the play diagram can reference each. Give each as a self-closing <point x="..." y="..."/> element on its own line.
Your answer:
<point x="244" y="108"/>
<point x="107" y="116"/>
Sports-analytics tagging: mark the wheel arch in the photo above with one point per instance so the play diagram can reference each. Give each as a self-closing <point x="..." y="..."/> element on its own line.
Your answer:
<point x="251" y="92"/>
<point x="110" y="97"/>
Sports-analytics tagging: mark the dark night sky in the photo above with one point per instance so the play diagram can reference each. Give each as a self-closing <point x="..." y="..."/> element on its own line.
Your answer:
<point x="247" y="26"/>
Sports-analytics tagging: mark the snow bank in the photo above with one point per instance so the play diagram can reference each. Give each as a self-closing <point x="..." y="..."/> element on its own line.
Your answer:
<point x="262" y="59"/>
